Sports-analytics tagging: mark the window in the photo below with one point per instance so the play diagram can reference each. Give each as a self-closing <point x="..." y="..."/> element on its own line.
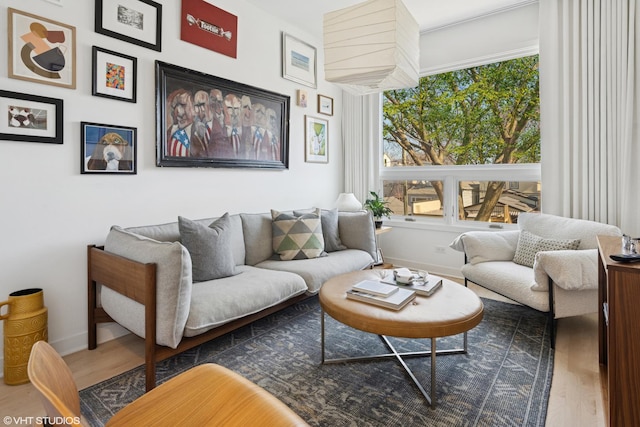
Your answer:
<point x="465" y="145"/>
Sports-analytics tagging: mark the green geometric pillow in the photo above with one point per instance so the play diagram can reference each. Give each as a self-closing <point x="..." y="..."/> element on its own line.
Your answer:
<point x="529" y="245"/>
<point x="297" y="237"/>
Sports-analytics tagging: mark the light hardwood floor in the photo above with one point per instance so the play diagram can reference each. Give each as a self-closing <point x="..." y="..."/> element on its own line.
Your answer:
<point x="576" y="392"/>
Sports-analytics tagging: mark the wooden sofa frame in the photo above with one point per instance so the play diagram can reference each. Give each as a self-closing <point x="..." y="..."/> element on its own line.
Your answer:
<point x="137" y="281"/>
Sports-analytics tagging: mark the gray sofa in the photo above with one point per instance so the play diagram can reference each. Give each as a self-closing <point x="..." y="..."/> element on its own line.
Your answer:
<point x="244" y="279"/>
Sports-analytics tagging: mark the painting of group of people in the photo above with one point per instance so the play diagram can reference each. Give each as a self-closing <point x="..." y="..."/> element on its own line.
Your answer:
<point x="214" y="119"/>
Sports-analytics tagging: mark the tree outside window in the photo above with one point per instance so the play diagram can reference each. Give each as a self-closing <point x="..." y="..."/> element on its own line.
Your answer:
<point x="484" y="115"/>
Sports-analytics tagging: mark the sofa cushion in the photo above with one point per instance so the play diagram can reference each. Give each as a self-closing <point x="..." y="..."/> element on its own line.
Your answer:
<point x="173" y="289"/>
<point x="317" y="271"/>
<point x="357" y="231"/>
<point x="258" y="243"/>
<point x="483" y="246"/>
<point x="297" y="237"/>
<point x="230" y="298"/>
<point x="209" y="247"/>
<point x="529" y="245"/>
<point x="330" y="230"/>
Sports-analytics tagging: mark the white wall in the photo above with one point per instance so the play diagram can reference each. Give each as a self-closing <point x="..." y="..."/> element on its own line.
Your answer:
<point x="49" y="212"/>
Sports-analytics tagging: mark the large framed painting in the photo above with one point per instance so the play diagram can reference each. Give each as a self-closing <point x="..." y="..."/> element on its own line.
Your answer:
<point x="210" y="27"/>
<point x="41" y="50"/>
<point x="134" y="21"/>
<point x="207" y="121"/>
<point x="107" y="149"/>
<point x="30" y="118"/>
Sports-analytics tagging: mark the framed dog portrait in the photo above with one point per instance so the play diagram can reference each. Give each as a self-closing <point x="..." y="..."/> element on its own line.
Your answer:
<point x="208" y="121"/>
<point x="41" y="50"/>
<point x="134" y="21"/>
<point x="108" y="149"/>
<point x="30" y="118"/>
<point x="114" y="75"/>
<point x="316" y="139"/>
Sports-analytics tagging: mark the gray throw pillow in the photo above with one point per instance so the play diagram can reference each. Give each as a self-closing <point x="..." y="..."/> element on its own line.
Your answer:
<point x="330" y="231"/>
<point x="529" y="245"/>
<point x="209" y="247"/>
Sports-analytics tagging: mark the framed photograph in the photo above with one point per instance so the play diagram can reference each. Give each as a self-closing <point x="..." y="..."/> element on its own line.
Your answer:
<point x="302" y="98"/>
<point x="325" y="105"/>
<point x="298" y="61"/>
<point x="114" y="75"/>
<point x="30" y="118"/>
<point x="107" y="149"/>
<point x="208" y="121"/>
<point x="41" y="50"/>
<point x="134" y="21"/>
<point x="210" y="27"/>
<point x="316" y="138"/>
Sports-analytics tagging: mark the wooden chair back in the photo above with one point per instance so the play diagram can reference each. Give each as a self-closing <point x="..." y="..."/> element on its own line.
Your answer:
<point x="52" y="378"/>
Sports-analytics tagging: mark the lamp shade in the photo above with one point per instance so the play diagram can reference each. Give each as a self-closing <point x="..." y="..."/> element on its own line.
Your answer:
<point x="371" y="47"/>
<point x="348" y="202"/>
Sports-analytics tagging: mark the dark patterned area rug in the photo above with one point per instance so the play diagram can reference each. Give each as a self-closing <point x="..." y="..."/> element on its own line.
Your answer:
<point x="504" y="380"/>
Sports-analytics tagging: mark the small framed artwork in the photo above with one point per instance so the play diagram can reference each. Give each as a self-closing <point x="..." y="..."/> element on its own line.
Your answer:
<point x="114" y="75"/>
<point x="298" y="61"/>
<point x="325" y="105"/>
<point x="302" y="98"/>
<point x="41" y="50"/>
<point x="316" y="140"/>
<point x="56" y="2"/>
<point x="134" y="21"/>
<point x="210" y="27"/>
<point x="107" y="149"/>
<point x="30" y="118"/>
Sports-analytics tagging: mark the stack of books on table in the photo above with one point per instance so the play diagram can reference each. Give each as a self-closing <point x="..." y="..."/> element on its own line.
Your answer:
<point x="422" y="288"/>
<point x="381" y="294"/>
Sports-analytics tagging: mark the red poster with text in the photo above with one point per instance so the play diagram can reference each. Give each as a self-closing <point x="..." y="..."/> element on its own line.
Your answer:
<point x="210" y="27"/>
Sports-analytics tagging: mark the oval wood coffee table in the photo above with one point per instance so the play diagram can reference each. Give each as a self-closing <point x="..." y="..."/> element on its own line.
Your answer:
<point x="451" y="310"/>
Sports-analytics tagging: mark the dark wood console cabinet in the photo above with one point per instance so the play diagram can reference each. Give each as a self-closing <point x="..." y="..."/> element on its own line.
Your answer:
<point x="619" y="332"/>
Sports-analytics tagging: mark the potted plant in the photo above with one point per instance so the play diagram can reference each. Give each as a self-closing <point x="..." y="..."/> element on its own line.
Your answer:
<point x="378" y="207"/>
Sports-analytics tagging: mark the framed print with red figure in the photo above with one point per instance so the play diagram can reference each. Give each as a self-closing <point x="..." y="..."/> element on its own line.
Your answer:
<point x="210" y="27"/>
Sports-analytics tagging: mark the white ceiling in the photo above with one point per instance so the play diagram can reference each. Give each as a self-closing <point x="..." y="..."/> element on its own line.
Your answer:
<point x="429" y="13"/>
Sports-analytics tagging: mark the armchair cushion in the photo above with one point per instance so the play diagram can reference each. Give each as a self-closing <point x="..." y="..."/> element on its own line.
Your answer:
<point x="571" y="270"/>
<point x="530" y="244"/>
<point x="483" y="246"/>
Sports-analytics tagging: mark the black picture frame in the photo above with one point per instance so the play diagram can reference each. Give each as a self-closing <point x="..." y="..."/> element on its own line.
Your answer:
<point x="108" y="149"/>
<point x="31" y="118"/>
<point x="253" y="132"/>
<point x="105" y="64"/>
<point x="123" y="20"/>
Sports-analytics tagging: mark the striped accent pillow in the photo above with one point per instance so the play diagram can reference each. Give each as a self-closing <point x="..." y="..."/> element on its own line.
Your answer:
<point x="297" y="237"/>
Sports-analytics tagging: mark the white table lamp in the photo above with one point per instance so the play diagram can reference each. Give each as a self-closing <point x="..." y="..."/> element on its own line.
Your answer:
<point x="348" y="202"/>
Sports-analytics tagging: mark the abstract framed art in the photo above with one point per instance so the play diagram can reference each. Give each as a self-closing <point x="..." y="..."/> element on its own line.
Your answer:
<point x="134" y="21"/>
<point x="31" y="118"/>
<point x="316" y="139"/>
<point x="207" y="121"/>
<point x="325" y="105"/>
<point x="107" y="149"/>
<point x="114" y="75"/>
<point x="41" y="50"/>
<point x="298" y="61"/>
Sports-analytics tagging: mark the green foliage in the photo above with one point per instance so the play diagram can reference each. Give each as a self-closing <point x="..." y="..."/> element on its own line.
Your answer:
<point x="482" y="115"/>
<point x="377" y="206"/>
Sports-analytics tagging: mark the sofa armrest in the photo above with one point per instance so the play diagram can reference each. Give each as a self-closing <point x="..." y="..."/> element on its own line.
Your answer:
<point x="357" y="231"/>
<point x="570" y="270"/>
<point x="483" y="246"/>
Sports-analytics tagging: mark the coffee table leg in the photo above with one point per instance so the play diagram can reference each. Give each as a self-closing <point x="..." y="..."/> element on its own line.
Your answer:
<point x="433" y="373"/>
<point x="322" y="335"/>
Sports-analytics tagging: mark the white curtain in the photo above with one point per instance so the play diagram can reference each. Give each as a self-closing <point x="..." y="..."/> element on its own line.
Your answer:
<point x="589" y="82"/>
<point x="360" y="132"/>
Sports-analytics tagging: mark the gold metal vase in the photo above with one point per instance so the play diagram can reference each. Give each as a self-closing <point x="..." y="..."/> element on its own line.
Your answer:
<point x="24" y="323"/>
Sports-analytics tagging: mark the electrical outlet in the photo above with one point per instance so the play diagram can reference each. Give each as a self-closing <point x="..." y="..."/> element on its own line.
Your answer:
<point x="440" y="249"/>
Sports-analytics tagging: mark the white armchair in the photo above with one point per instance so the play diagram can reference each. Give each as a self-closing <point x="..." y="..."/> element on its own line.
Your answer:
<point x="562" y="282"/>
